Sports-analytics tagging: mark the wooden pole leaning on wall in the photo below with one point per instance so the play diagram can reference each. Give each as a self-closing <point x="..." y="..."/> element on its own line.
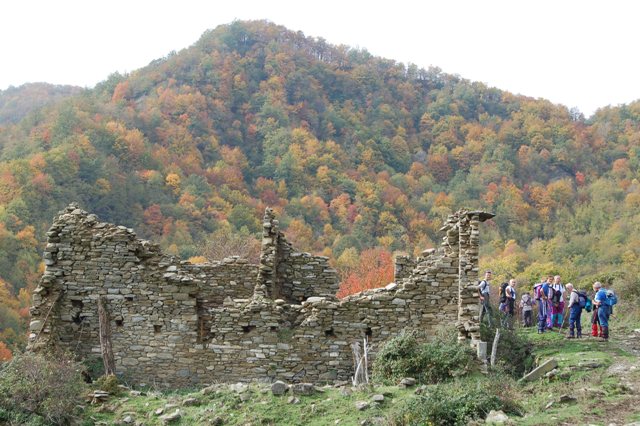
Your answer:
<point x="105" y="338"/>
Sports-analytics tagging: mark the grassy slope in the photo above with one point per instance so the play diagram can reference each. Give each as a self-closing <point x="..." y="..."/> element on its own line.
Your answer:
<point x="605" y="394"/>
<point x="260" y="407"/>
<point x="614" y="384"/>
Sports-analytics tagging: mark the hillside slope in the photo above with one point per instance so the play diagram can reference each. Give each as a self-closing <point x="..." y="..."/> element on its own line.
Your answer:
<point x="351" y="150"/>
<point x="17" y="102"/>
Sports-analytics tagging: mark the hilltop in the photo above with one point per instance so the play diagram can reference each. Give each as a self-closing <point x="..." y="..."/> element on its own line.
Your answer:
<point x="17" y="102"/>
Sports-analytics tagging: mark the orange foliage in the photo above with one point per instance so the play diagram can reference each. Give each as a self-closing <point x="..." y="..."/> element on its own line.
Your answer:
<point x="5" y="353"/>
<point x="374" y="270"/>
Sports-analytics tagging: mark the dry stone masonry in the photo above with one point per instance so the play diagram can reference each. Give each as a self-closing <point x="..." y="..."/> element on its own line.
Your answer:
<point x="174" y="323"/>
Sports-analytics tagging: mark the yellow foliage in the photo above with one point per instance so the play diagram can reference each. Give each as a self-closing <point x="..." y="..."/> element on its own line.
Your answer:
<point x="173" y="180"/>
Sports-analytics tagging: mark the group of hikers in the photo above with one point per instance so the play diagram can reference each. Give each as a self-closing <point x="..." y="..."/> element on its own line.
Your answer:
<point x="550" y="296"/>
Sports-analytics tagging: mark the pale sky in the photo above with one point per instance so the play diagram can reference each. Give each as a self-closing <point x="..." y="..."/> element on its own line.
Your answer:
<point x="578" y="53"/>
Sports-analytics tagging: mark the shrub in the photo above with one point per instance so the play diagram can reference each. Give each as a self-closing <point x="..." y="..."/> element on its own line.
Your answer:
<point x="456" y="403"/>
<point x="93" y="367"/>
<point x="35" y="389"/>
<point x="437" y="360"/>
<point x="514" y="350"/>
<point x="108" y="383"/>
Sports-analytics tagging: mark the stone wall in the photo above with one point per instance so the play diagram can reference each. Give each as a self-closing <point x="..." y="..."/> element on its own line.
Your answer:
<point x="288" y="274"/>
<point x="176" y="324"/>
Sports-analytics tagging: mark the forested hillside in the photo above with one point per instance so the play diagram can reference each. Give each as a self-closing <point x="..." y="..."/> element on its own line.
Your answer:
<point x="17" y="102"/>
<point x="355" y="153"/>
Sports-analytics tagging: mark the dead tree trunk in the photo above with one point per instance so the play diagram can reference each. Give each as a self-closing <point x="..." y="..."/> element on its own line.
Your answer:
<point x="361" y="363"/>
<point x="105" y="338"/>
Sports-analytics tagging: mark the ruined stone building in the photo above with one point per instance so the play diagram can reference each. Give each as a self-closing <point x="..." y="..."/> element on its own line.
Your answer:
<point x="173" y="323"/>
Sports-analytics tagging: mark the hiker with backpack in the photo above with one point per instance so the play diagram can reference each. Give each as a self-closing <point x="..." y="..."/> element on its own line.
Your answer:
<point x="510" y="302"/>
<point x="484" y="291"/>
<point x="502" y="292"/>
<point x="577" y="302"/>
<point x="526" y="305"/>
<point x="603" y="301"/>
<point x="557" y="300"/>
<point x="540" y="293"/>
<point x="548" y="291"/>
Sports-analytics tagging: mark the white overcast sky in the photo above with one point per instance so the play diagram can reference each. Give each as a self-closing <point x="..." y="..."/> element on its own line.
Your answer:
<point x="578" y="53"/>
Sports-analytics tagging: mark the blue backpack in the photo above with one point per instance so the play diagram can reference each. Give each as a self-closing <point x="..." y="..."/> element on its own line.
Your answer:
<point x="583" y="300"/>
<point x="612" y="299"/>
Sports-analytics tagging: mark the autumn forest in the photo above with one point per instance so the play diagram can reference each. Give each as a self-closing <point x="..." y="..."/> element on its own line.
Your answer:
<point x="361" y="158"/>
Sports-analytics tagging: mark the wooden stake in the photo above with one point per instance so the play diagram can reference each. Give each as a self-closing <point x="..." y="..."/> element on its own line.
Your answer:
<point x="105" y="338"/>
<point x="494" y="348"/>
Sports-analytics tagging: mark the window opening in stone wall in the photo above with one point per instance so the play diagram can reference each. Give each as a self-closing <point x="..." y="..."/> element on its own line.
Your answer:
<point x="77" y="304"/>
<point x="119" y="322"/>
<point x="129" y="298"/>
<point x="157" y="328"/>
<point x="273" y="328"/>
<point x="76" y="318"/>
<point x="202" y="331"/>
<point x="329" y="333"/>
<point x="248" y="328"/>
<point x="368" y="332"/>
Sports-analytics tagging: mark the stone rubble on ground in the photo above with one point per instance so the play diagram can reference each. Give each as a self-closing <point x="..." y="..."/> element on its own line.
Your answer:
<point x="496" y="417"/>
<point x="168" y="418"/>
<point x="541" y="370"/>
<point x="379" y="398"/>
<point x="279" y="388"/>
<point x="361" y="405"/>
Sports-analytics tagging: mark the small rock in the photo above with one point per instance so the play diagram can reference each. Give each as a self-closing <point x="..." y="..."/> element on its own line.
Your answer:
<point x="303" y="388"/>
<point x="208" y="390"/>
<point x="407" y="382"/>
<point x="379" y="398"/>
<point x="420" y="390"/>
<point x="567" y="398"/>
<point x="135" y="393"/>
<point x="190" y="402"/>
<point x="168" y="418"/>
<point x="496" y="417"/>
<point x="293" y="400"/>
<point x="590" y="364"/>
<point x="549" y="405"/>
<point x="541" y="370"/>
<point x="238" y="387"/>
<point x="128" y="420"/>
<point x="336" y="422"/>
<point x="345" y="391"/>
<point x="362" y="405"/>
<point x="159" y="411"/>
<point x="279" y="388"/>
<point x="244" y="397"/>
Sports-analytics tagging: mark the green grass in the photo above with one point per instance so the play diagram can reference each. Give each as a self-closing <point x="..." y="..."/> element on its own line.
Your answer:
<point x="260" y="407"/>
<point x="586" y="384"/>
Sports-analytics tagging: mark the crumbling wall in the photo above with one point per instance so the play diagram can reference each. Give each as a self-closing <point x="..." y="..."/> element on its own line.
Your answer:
<point x="176" y="324"/>
<point x="288" y="274"/>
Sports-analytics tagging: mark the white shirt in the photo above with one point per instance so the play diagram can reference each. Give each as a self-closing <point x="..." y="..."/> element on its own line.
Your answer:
<point x="560" y="288"/>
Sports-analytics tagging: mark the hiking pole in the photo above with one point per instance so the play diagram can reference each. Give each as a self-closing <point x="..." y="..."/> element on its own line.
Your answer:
<point x="564" y="318"/>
